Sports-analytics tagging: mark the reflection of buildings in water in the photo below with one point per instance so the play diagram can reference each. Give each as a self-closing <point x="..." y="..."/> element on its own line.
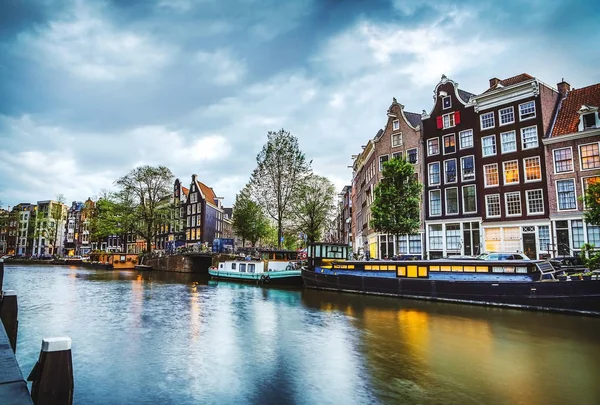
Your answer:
<point x="195" y="314"/>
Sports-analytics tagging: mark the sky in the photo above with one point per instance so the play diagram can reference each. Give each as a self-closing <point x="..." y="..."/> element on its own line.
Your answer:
<point x="91" y="89"/>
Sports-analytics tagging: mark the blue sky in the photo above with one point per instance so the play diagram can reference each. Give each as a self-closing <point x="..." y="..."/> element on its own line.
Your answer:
<point x="90" y="89"/>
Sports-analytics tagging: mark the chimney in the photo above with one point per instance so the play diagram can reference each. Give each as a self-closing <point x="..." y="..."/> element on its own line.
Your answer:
<point x="563" y="88"/>
<point x="494" y="81"/>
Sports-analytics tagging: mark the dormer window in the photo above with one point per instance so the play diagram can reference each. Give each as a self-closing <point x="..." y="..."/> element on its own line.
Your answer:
<point x="589" y="121"/>
<point x="446" y="102"/>
<point x="588" y="118"/>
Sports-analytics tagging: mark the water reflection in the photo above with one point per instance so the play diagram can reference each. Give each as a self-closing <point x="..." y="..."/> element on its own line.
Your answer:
<point x="150" y="337"/>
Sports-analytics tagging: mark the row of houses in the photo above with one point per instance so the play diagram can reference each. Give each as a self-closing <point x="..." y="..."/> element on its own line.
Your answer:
<point x="50" y="227"/>
<point x="502" y="170"/>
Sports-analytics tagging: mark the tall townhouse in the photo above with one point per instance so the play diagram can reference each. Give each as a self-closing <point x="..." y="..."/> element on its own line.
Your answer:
<point x="452" y="215"/>
<point x="573" y="160"/>
<point x="83" y="243"/>
<point x="363" y="183"/>
<point x="346" y="215"/>
<point x="4" y="215"/>
<point x="203" y="214"/>
<point x="23" y="214"/>
<point x="49" y="232"/>
<point x="73" y="224"/>
<point x="513" y="116"/>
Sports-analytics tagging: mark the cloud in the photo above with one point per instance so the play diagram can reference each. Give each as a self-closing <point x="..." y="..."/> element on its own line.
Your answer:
<point x="220" y="66"/>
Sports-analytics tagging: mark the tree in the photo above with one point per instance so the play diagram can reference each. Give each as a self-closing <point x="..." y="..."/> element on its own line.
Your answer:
<point x="396" y="208"/>
<point x="281" y="168"/>
<point x="591" y="199"/>
<point x="249" y="221"/>
<point x="145" y="194"/>
<point x="312" y="206"/>
<point x="109" y="216"/>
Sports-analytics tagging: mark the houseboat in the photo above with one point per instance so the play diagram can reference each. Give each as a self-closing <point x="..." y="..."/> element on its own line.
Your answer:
<point x="274" y="267"/>
<point x="112" y="261"/>
<point x="527" y="284"/>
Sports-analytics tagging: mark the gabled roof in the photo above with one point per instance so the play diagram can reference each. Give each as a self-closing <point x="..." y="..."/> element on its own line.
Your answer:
<point x="414" y="119"/>
<point x="510" y="81"/>
<point x="208" y="192"/>
<point x="567" y="119"/>
<point x="464" y="95"/>
<point x="185" y="190"/>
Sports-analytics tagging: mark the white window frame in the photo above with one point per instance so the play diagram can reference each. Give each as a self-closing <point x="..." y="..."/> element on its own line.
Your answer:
<point x="444" y="98"/>
<point x="381" y="163"/>
<point x="446" y="201"/>
<point x="516" y="162"/>
<point x="525" y="179"/>
<point x="456" y="175"/>
<point x="572" y="160"/>
<point x="451" y="120"/>
<point x="581" y="156"/>
<point x="397" y="155"/>
<point x="507" y="109"/>
<point x="483" y="117"/>
<point x="462" y="177"/>
<point x="463" y="198"/>
<point x="514" y="134"/>
<point x="485" y="183"/>
<point x="506" y="195"/>
<point x="431" y="199"/>
<point x="439" y="173"/>
<point x="537" y="138"/>
<point x="438" y="146"/>
<point x="527" y="201"/>
<point x="444" y="144"/>
<point x="394" y="136"/>
<point x="574" y="182"/>
<point x="483" y="146"/>
<point x="487" y="206"/>
<point x="521" y="112"/>
<point x="460" y="139"/>
<point x="395" y="125"/>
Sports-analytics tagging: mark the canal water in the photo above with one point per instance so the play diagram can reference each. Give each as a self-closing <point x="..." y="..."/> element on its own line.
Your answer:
<point x="162" y="338"/>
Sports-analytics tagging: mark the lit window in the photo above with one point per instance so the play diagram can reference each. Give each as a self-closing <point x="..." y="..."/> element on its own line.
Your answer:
<point x="435" y="202"/>
<point x="565" y="190"/>
<point x="487" y="120"/>
<point x="563" y="160"/>
<point x="533" y="170"/>
<point x="491" y="175"/>
<point x="488" y="145"/>
<point x="469" y="199"/>
<point x="507" y="115"/>
<point x="529" y="137"/>
<point x="467" y="165"/>
<point x="513" y="203"/>
<point x="492" y="205"/>
<point x="433" y="146"/>
<point x="397" y="140"/>
<point x="434" y="173"/>
<point x="526" y="110"/>
<point x="466" y="139"/>
<point x="509" y="141"/>
<point x="590" y="156"/>
<point x="396" y="125"/>
<point x="511" y="172"/>
<point x="451" y="201"/>
<point x="450" y="171"/>
<point x="535" y="202"/>
<point x="449" y="144"/>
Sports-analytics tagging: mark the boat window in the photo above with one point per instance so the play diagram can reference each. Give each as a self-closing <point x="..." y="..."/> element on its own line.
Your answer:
<point x="279" y="256"/>
<point x="265" y="256"/>
<point x="242" y="267"/>
<point x="122" y="258"/>
<point x="221" y="265"/>
<point x="318" y="251"/>
<point x="309" y="251"/>
<point x="251" y="268"/>
<point x="232" y="266"/>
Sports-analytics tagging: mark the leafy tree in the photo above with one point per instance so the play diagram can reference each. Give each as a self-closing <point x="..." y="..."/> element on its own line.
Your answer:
<point x="396" y="208"/>
<point x="109" y="217"/>
<point x="312" y="206"/>
<point x="591" y="199"/>
<point x="145" y="194"/>
<point x="249" y="221"/>
<point x="281" y="168"/>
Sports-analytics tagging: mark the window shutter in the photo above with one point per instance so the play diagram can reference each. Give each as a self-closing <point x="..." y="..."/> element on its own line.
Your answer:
<point x="457" y="117"/>
<point x="439" y="122"/>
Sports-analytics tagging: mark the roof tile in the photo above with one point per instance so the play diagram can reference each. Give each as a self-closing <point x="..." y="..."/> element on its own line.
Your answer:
<point x="511" y="80"/>
<point x="567" y="119"/>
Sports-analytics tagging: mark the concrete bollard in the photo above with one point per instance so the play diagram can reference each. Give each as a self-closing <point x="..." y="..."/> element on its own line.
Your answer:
<point x="8" y="314"/>
<point x="52" y="375"/>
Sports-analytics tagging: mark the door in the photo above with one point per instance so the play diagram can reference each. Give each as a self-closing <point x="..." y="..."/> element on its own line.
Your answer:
<point x="529" y="247"/>
<point x="562" y="240"/>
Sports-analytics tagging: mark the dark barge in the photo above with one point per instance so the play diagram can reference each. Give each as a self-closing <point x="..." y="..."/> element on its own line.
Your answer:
<point x="526" y="284"/>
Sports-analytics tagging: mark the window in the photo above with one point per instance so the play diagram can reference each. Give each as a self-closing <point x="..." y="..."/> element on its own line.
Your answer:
<point x="451" y="201"/>
<point x="382" y="160"/>
<point x="529" y="137"/>
<point x="467" y="166"/>
<point x="593" y="232"/>
<point x="507" y="115"/>
<point x="435" y="202"/>
<point x="487" y="120"/>
<point x="488" y="145"/>
<point x="433" y="146"/>
<point x="526" y="110"/>
<point x="251" y="267"/>
<point x="450" y="171"/>
<point x="411" y="156"/>
<point x="466" y="139"/>
<point x="490" y="173"/>
<point x="492" y="205"/>
<point x="434" y="173"/>
<point x="435" y="237"/>
<point x="508" y="141"/>
<point x="395" y="125"/>
<point x="402" y="245"/>
<point x="513" y="204"/>
<point x="535" y="202"/>
<point x="544" y="237"/>
<point x="511" y="172"/>
<point x="397" y="155"/>
<point x="563" y="160"/>
<point x="590" y="156"/>
<point x="449" y="144"/>
<point x="446" y="102"/>
<point x="469" y="199"/>
<point x="414" y="244"/>
<point x="589" y="120"/>
<point x="396" y="140"/>
<point x="565" y="191"/>
<point x="448" y="120"/>
<point x="453" y="237"/>
<point x="242" y="268"/>
<point x="577" y="231"/>
<point x="533" y="170"/>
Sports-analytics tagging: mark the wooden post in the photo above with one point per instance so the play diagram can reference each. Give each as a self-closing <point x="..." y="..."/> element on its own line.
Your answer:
<point x="8" y="314"/>
<point x="1" y="273"/>
<point x="52" y="375"/>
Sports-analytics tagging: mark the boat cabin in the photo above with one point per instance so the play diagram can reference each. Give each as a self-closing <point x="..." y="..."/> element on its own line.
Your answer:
<point x="242" y="266"/>
<point x="279" y="255"/>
